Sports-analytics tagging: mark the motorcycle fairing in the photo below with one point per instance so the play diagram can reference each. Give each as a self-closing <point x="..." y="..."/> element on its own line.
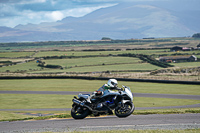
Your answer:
<point x="109" y="92"/>
<point x="128" y="92"/>
<point x="85" y="96"/>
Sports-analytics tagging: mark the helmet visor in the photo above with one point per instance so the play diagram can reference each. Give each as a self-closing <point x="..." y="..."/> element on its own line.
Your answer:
<point x="114" y="84"/>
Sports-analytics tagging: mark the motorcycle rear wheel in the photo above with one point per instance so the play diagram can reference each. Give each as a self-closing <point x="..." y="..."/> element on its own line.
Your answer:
<point x="125" y="111"/>
<point x="78" y="112"/>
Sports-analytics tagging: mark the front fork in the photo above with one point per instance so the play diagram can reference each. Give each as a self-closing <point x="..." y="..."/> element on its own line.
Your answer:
<point x="122" y="106"/>
<point x="121" y="103"/>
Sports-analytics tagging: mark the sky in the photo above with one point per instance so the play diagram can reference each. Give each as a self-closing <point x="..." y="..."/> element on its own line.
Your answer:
<point x="15" y="12"/>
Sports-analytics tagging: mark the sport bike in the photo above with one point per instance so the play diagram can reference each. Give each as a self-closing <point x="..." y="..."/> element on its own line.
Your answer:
<point x="119" y="101"/>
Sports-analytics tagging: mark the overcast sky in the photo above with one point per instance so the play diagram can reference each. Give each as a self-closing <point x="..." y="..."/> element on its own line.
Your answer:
<point x="14" y="12"/>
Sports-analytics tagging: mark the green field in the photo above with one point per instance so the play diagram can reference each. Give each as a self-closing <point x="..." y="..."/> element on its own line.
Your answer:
<point x="88" y="64"/>
<point x="62" y="101"/>
<point x="87" y="61"/>
<point x="15" y="54"/>
<point x="90" y="69"/>
<point x="29" y="66"/>
<point x="186" y="64"/>
<point x="94" y="60"/>
<point x="40" y="101"/>
<point x="32" y="101"/>
<point x="86" y="53"/>
<point x="91" y="85"/>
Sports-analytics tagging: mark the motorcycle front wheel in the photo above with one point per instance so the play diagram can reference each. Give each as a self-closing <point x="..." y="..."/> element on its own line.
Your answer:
<point x="78" y="112"/>
<point x="125" y="111"/>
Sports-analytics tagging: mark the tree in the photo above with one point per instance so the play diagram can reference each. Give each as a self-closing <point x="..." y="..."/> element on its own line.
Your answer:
<point x="197" y="35"/>
<point x="106" y="38"/>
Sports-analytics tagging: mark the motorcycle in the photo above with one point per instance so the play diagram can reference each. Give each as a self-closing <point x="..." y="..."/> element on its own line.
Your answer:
<point x="120" y="102"/>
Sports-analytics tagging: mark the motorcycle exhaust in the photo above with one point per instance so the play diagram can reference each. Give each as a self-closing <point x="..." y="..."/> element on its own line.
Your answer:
<point x="76" y="101"/>
<point x="81" y="104"/>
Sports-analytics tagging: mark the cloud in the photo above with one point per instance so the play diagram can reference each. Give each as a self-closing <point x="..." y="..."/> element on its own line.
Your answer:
<point x="23" y="12"/>
<point x="22" y="1"/>
<point x="57" y="15"/>
<point x="14" y="12"/>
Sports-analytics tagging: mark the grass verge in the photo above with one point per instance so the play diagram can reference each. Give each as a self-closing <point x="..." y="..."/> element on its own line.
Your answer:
<point x="40" y="118"/>
<point x="167" y="111"/>
<point x="137" y="112"/>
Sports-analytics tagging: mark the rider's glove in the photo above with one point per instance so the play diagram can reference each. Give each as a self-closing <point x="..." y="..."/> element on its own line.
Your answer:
<point x="98" y="93"/>
<point x="119" y="88"/>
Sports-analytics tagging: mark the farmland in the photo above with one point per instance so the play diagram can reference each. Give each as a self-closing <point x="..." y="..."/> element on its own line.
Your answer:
<point x="136" y="59"/>
<point x="123" y="59"/>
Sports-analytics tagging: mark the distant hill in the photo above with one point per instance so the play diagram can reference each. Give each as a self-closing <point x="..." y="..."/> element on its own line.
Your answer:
<point x="143" y="19"/>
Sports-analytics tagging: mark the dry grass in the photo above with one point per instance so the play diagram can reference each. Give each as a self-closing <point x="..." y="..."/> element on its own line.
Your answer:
<point x="140" y="75"/>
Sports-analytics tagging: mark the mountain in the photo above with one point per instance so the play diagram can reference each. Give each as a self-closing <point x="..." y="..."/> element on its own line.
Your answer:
<point x="172" y="18"/>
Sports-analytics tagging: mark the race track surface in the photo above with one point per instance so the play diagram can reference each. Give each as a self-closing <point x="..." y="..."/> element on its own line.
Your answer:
<point x="169" y="121"/>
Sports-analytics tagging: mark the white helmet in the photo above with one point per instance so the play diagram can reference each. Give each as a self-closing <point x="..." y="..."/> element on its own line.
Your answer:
<point x="112" y="83"/>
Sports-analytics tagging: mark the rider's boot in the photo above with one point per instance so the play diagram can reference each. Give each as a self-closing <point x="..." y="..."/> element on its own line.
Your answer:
<point x="110" y="112"/>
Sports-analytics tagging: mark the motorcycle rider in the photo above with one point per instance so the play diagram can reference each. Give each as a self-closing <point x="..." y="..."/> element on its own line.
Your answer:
<point x="111" y="85"/>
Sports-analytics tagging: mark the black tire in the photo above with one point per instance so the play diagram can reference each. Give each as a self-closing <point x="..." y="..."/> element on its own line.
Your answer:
<point x="126" y="111"/>
<point x="78" y="112"/>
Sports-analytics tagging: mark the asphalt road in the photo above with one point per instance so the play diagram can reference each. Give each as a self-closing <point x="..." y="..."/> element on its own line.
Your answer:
<point x="169" y="121"/>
